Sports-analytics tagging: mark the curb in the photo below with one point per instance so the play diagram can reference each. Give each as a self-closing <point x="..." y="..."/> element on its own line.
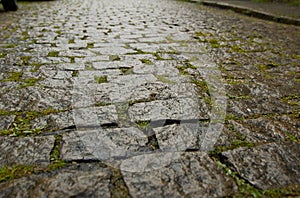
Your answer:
<point x="250" y="12"/>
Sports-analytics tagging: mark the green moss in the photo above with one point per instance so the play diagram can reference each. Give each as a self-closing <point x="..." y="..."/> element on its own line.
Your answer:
<point x="17" y="77"/>
<point x="55" y="153"/>
<point x="114" y="58"/>
<point x="238" y="49"/>
<point x="25" y="35"/>
<point x="248" y="190"/>
<point x="182" y="68"/>
<point x="264" y="67"/>
<point x="230" y="116"/>
<point x="234" y="82"/>
<point x="157" y="56"/>
<point x="3" y="54"/>
<point x="118" y="187"/>
<point x="25" y="60"/>
<point x="72" y="59"/>
<point x="53" y="54"/>
<point x="292" y="100"/>
<point x="22" y="125"/>
<point x="126" y="70"/>
<point x="241" y="97"/>
<point x="101" y="104"/>
<point x="292" y="137"/>
<point x="214" y="43"/>
<point x="296" y="56"/>
<point x="245" y="189"/>
<point x="201" y="84"/>
<point x="9" y="46"/>
<point x="9" y="173"/>
<point x="13" y="77"/>
<point x="235" y="143"/>
<point x="3" y="112"/>
<point x="89" y="66"/>
<point x="75" y="73"/>
<point x="56" y="165"/>
<point x="90" y="45"/>
<point x="36" y="66"/>
<point x="208" y="101"/>
<point x="201" y="34"/>
<point x="71" y="41"/>
<point x="143" y="124"/>
<point x="29" y="82"/>
<point x="146" y="61"/>
<point x="85" y="37"/>
<point x="100" y="79"/>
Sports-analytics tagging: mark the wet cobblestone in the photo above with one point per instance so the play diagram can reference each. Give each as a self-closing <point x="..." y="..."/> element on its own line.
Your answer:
<point x="147" y="98"/>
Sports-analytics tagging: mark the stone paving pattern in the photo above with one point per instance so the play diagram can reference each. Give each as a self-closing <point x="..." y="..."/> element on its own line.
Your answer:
<point x="134" y="69"/>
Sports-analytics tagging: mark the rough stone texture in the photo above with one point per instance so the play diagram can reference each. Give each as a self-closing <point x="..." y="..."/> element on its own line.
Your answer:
<point x="6" y="121"/>
<point x="267" y="166"/>
<point x="102" y="144"/>
<point x="186" y="175"/>
<point x="90" y="64"/>
<point x="176" y="109"/>
<point x="180" y="137"/>
<point x="27" y="150"/>
<point x="86" y="180"/>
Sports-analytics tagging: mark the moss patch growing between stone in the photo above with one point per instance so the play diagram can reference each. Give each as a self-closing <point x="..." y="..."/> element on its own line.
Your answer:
<point x="71" y="41"/>
<point x="100" y="79"/>
<point x="201" y="84"/>
<point x="89" y="45"/>
<point x="146" y="61"/>
<point x="143" y="124"/>
<point x="117" y="185"/>
<point x="18" y="77"/>
<point x="75" y="73"/>
<point x="292" y="100"/>
<point x="22" y="125"/>
<point x="248" y="190"/>
<point x="186" y="65"/>
<point x="12" y="172"/>
<point x="114" y="58"/>
<point x="126" y="70"/>
<point x="53" y="54"/>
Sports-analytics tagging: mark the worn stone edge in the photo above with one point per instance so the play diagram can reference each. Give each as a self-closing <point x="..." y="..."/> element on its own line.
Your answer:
<point x="250" y="12"/>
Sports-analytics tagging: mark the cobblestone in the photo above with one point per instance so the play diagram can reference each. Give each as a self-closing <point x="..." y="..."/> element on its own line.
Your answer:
<point x="147" y="98"/>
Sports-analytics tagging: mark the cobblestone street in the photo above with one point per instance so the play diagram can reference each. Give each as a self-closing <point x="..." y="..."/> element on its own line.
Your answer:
<point x="152" y="98"/>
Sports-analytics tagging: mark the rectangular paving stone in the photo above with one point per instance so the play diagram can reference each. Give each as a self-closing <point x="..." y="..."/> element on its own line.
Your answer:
<point x="102" y="144"/>
<point x="93" y="116"/>
<point x="166" y="68"/>
<point x="122" y="88"/>
<point x="80" y="180"/>
<point x="176" y="175"/>
<point x="268" y="166"/>
<point x="112" y="50"/>
<point x="180" y="137"/>
<point x="77" y="53"/>
<point x="25" y="150"/>
<point x="175" y="109"/>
